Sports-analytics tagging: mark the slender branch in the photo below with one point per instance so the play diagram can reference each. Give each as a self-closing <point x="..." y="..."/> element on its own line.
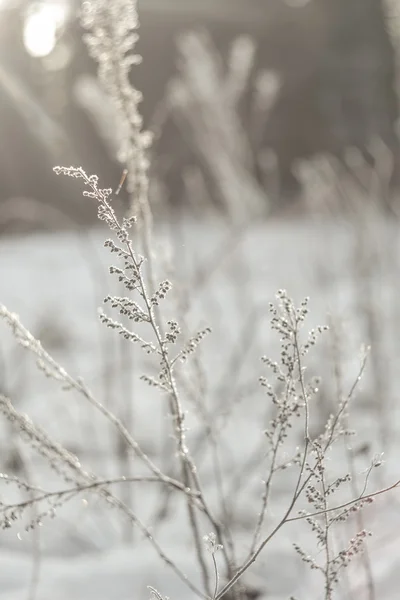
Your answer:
<point x="46" y="495"/>
<point x="346" y="504"/>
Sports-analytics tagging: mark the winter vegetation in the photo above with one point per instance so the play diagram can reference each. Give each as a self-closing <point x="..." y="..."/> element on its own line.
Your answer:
<point x="205" y="433"/>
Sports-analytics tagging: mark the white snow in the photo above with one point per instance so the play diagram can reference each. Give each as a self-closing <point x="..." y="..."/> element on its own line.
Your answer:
<point x="55" y="282"/>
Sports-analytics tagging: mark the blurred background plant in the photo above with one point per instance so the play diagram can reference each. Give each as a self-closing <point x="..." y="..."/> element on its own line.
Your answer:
<point x="236" y="94"/>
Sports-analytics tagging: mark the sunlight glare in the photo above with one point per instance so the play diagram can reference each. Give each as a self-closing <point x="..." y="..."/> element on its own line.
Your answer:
<point x="41" y="26"/>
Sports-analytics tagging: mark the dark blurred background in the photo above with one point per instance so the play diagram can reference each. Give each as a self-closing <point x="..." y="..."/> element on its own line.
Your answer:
<point x="326" y="70"/>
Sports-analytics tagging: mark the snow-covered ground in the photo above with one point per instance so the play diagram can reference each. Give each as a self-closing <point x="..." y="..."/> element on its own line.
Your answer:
<point x="56" y="282"/>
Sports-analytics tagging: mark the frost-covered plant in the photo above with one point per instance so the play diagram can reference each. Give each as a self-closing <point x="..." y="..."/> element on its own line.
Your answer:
<point x="111" y="38"/>
<point x="292" y="397"/>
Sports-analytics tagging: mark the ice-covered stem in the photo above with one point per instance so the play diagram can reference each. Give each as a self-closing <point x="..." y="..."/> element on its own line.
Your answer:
<point x="53" y="369"/>
<point x="70" y="469"/>
<point x="136" y="283"/>
<point x="111" y="38"/>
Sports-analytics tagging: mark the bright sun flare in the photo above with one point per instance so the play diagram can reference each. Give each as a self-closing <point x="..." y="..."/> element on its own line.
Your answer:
<point x="41" y="26"/>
